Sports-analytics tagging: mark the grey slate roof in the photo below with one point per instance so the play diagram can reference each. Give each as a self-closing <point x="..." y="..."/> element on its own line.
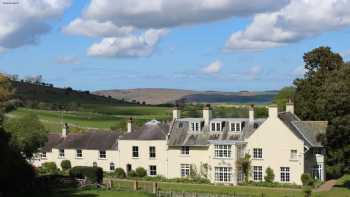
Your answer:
<point x="90" y="140"/>
<point x="152" y="130"/>
<point x="306" y="130"/>
<point x="181" y="136"/>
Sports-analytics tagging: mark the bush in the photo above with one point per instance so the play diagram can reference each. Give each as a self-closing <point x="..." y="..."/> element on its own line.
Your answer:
<point x="270" y="176"/>
<point x="132" y="173"/>
<point x="93" y="174"/>
<point x="48" y="168"/>
<point x="141" y="172"/>
<point x="120" y="173"/>
<point x="65" y="165"/>
<point x="307" y="180"/>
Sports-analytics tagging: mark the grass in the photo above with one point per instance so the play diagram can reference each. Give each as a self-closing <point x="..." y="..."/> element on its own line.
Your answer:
<point x="339" y="191"/>
<point x="95" y="116"/>
<point x="95" y="193"/>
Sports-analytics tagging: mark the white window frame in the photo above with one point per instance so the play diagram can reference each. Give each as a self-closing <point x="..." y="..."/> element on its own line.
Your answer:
<point x="185" y="170"/>
<point x="222" y="151"/>
<point x="195" y="126"/>
<point x="257" y="153"/>
<point x="135" y="152"/>
<point x="317" y="172"/>
<point x="285" y="174"/>
<point x="238" y="127"/>
<point x="43" y="155"/>
<point x="79" y="154"/>
<point x="152" y="152"/>
<point x="257" y="173"/>
<point x="223" y="174"/>
<point x="102" y="154"/>
<point x="294" y="154"/>
<point x="213" y="126"/>
<point x="61" y="153"/>
<point x="152" y="172"/>
<point x="185" y="150"/>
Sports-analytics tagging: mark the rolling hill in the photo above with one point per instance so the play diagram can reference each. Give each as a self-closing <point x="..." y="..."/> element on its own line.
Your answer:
<point x="162" y="96"/>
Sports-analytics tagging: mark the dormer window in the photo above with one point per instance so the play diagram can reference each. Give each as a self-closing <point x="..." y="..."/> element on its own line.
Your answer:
<point x="195" y="126"/>
<point x="235" y="127"/>
<point x="217" y="126"/>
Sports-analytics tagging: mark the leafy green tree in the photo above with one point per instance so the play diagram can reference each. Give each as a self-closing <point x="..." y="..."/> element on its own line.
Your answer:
<point x="28" y="133"/>
<point x="270" y="175"/>
<point x="245" y="164"/>
<point x="66" y="165"/>
<point x="324" y="94"/>
<point x="283" y="96"/>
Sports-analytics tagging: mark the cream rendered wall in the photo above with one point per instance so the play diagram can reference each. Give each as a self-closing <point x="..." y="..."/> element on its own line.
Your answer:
<point x="125" y="155"/>
<point x="276" y="141"/>
<point x="89" y="156"/>
<point x="197" y="157"/>
<point x="223" y="162"/>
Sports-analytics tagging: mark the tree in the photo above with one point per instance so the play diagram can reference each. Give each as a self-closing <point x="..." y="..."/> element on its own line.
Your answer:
<point x="6" y="90"/>
<point x="324" y="94"/>
<point x="270" y="175"/>
<point x="244" y="164"/>
<point x="28" y="133"/>
<point x="66" y="165"/>
<point x="283" y="96"/>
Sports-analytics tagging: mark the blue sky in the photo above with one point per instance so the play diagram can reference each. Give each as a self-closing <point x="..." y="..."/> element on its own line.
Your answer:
<point x="171" y="52"/>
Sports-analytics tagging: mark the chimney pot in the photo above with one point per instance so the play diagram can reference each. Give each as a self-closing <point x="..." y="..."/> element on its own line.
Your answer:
<point x="65" y="130"/>
<point x="290" y="106"/>
<point x="251" y="114"/>
<point x="129" y="125"/>
<point x="176" y="112"/>
<point x="273" y="111"/>
<point x="207" y="114"/>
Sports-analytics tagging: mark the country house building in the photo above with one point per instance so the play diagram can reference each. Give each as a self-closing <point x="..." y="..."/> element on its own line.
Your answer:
<point x="207" y="146"/>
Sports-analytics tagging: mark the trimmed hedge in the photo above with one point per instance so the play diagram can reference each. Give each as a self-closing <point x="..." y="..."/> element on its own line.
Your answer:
<point x="141" y="172"/>
<point x="120" y="173"/>
<point x="93" y="174"/>
<point x="65" y="165"/>
<point x="48" y="168"/>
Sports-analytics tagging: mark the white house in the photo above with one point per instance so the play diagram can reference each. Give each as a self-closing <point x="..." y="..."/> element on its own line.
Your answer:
<point x="207" y="146"/>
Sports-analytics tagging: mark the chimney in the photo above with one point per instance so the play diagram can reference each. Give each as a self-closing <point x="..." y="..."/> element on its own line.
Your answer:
<point x="207" y="114"/>
<point x="176" y="112"/>
<point x="129" y="126"/>
<point x="273" y="111"/>
<point x="251" y="114"/>
<point x="65" y="130"/>
<point x="290" y="106"/>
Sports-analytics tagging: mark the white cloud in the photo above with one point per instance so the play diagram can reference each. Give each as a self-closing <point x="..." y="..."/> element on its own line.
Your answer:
<point x="128" y="46"/>
<point x="299" y="20"/>
<point x="170" y="13"/>
<point x="24" y="22"/>
<point x="68" y="60"/>
<point x="212" y="68"/>
<point x="93" y="28"/>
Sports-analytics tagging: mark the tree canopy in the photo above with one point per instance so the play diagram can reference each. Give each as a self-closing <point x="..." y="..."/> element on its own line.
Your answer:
<point x="324" y="94"/>
<point x="28" y="133"/>
<point x="283" y="96"/>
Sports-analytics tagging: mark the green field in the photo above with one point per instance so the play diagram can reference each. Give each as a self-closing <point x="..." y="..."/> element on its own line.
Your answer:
<point x="95" y="116"/>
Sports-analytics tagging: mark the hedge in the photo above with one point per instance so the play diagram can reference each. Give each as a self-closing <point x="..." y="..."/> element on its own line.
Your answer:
<point x="93" y="174"/>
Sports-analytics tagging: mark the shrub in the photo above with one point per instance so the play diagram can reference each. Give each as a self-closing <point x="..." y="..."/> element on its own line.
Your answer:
<point x="307" y="191"/>
<point x="307" y="180"/>
<point x="270" y="175"/>
<point x="48" y="168"/>
<point x="65" y="165"/>
<point x="141" y="172"/>
<point x="120" y="173"/>
<point x="93" y="174"/>
<point x="132" y="173"/>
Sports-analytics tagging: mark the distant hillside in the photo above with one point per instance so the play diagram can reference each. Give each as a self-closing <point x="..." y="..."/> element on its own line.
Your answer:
<point x="162" y="96"/>
<point x="35" y="94"/>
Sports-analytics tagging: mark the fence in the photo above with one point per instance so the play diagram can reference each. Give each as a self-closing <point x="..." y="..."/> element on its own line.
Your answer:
<point x="155" y="188"/>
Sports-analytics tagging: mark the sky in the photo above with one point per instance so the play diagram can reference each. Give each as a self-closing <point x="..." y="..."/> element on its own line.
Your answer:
<point x="225" y="45"/>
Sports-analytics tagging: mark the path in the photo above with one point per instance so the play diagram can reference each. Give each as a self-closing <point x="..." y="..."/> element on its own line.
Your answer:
<point x="328" y="185"/>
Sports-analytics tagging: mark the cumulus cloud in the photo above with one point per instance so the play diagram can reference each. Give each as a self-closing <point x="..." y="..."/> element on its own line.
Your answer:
<point x="128" y="46"/>
<point x="117" y="21"/>
<point x="24" y="22"/>
<point x="170" y="13"/>
<point x="93" y="28"/>
<point x="298" y="20"/>
<point x="68" y="60"/>
<point x="212" y="68"/>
